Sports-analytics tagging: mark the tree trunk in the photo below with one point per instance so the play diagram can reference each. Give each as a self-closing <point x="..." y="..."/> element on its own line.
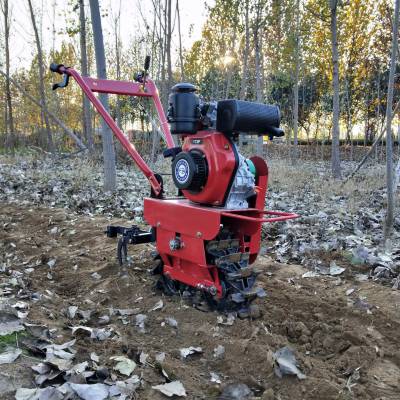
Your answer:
<point x="243" y="82"/>
<point x="349" y="130"/>
<point x="118" y="61"/>
<point x="9" y="120"/>
<point x="86" y="117"/>
<point x="163" y="52"/>
<point x="389" y="140"/>
<point x="335" y="118"/>
<point x="180" y="42"/>
<point x="398" y="128"/>
<point x="296" y="86"/>
<point x="257" y="49"/>
<point x="41" y="79"/>
<point x="108" y="144"/>
<point x="168" y="47"/>
<point x="378" y="108"/>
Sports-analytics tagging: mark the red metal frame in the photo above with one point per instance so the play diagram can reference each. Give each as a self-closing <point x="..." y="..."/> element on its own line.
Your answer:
<point x="195" y="224"/>
<point x="91" y="85"/>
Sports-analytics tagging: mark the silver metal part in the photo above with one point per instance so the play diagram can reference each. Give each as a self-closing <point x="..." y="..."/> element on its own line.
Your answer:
<point x="242" y="187"/>
<point x="175" y="244"/>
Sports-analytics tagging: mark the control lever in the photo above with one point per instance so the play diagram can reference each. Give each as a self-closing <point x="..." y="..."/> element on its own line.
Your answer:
<point x="62" y="84"/>
<point x="56" y="68"/>
<point x="141" y="76"/>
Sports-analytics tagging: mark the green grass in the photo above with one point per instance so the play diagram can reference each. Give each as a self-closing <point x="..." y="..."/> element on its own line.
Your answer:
<point x="11" y="340"/>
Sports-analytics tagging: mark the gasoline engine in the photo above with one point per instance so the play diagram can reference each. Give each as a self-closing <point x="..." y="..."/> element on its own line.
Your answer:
<point x="208" y="168"/>
<point x="208" y="236"/>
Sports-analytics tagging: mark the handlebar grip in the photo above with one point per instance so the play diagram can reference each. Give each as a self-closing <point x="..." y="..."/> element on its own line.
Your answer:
<point x="56" y="67"/>
<point x="147" y="63"/>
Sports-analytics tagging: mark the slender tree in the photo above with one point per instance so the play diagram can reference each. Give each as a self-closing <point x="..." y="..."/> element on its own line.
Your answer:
<point x="41" y="79"/>
<point x="9" y="107"/>
<point x="168" y="5"/>
<point x="296" y="83"/>
<point x="178" y="14"/>
<point x="258" y="66"/>
<point x="117" y="48"/>
<point x="335" y="83"/>
<point x="86" y="112"/>
<point x="243" y="81"/>
<point x="389" y="115"/>
<point x="110" y="175"/>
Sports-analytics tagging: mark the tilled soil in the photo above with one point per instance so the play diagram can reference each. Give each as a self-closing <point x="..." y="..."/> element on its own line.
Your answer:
<point x="347" y="344"/>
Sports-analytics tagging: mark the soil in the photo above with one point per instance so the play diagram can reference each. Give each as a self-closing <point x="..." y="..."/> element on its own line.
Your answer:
<point x="346" y="344"/>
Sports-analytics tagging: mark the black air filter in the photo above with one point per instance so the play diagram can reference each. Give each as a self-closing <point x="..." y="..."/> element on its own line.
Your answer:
<point x="245" y="116"/>
<point x="183" y="111"/>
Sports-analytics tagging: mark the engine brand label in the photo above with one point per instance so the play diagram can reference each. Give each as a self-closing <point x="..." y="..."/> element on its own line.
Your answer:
<point x="182" y="171"/>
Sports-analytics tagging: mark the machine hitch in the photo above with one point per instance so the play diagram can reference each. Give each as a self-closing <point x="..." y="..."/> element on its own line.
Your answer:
<point x="132" y="235"/>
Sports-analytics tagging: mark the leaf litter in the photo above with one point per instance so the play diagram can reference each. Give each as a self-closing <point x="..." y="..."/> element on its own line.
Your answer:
<point x="360" y="249"/>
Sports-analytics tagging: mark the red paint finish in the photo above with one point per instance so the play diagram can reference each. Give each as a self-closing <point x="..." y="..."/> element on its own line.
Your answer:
<point x="90" y="85"/>
<point x="187" y="220"/>
<point x="221" y="165"/>
<point x="195" y="225"/>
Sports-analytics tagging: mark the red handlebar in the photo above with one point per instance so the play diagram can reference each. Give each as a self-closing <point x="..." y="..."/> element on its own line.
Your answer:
<point x="91" y="85"/>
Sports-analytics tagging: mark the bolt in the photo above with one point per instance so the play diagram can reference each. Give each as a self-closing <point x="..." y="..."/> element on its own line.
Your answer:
<point x="158" y="224"/>
<point x="226" y="147"/>
<point x="212" y="290"/>
<point x="199" y="234"/>
<point x="175" y="244"/>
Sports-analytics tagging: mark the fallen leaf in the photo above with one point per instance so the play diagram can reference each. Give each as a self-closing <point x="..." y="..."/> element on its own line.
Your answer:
<point x="187" y="351"/>
<point x="286" y="363"/>
<point x="219" y="351"/>
<point x="143" y="358"/>
<point x="94" y="357"/>
<point x="236" y="391"/>
<point x="9" y="323"/>
<point x="10" y="356"/>
<point x="125" y="365"/>
<point x="174" y="388"/>
<point x="97" y="391"/>
<point x="158" y="306"/>
<point x="172" y="322"/>
<point x="215" y="377"/>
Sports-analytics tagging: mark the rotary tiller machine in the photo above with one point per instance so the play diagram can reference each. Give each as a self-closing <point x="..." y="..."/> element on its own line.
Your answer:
<point x="208" y="236"/>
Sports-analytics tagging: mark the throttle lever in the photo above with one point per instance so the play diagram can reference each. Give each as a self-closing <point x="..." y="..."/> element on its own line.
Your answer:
<point x="56" y="68"/>
<point x="62" y="84"/>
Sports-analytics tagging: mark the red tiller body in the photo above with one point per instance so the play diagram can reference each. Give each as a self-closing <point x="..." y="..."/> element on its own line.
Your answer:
<point x="197" y="218"/>
<point x="221" y="162"/>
